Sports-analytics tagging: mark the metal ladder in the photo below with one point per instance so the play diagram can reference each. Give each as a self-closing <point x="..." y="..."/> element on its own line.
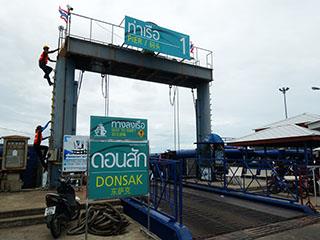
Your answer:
<point x="53" y="98"/>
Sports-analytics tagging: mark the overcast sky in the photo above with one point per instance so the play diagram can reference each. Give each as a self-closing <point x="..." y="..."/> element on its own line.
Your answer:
<point x="258" y="47"/>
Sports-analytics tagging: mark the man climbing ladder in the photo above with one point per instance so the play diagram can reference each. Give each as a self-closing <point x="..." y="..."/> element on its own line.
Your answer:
<point x="41" y="150"/>
<point x="43" y="60"/>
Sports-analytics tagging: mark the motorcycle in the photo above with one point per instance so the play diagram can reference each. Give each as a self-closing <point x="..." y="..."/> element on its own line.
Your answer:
<point x="62" y="207"/>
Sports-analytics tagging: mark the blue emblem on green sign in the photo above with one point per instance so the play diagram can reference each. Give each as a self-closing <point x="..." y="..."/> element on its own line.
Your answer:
<point x="108" y="128"/>
<point x="150" y="36"/>
<point x="118" y="169"/>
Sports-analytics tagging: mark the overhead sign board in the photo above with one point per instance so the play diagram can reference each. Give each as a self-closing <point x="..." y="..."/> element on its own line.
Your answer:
<point x="115" y="128"/>
<point x="75" y="153"/>
<point x="118" y="169"/>
<point x="150" y="36"/>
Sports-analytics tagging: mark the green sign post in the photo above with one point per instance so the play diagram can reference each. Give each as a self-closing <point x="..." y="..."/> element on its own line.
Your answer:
<point x="119" y="158"/>
<point x="118" y="169"/>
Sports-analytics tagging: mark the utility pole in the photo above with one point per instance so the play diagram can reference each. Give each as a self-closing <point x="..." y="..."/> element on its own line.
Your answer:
<point x="284" y="90"/>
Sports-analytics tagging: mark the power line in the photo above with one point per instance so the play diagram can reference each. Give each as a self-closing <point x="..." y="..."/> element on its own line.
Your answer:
<point x="14" y="130"/>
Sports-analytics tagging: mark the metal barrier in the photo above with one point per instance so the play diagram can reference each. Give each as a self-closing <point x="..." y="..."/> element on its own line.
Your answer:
<point x="95" y="30"/>
<point x="263" y="177"/>
<point x="315" y="170"/>
<point x="165" y="192"/>
<point x="282" y="179"/>
<point x="166" y="186"/>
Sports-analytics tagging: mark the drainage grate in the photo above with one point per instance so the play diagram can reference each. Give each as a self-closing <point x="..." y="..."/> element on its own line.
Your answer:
<point x="273" y="228"/>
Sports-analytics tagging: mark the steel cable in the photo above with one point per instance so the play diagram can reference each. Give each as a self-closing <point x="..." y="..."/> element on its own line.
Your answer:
<point x="174" y="101"/>
<point x="79" y="83"/>
<point x="105" y="92"/>
<point x="103" y="220"/>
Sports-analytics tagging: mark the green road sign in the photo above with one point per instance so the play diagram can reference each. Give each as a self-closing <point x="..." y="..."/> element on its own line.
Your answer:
<point x="150" y="36"/>
<point x="118" y="169"/>
<point x="115" y="128"/>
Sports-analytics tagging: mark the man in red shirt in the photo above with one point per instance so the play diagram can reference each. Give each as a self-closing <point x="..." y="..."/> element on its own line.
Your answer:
<point x="41" y="150"/>
<point x="43" y="60"/>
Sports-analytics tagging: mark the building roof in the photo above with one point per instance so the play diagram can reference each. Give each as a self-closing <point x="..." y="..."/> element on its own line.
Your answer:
<point x="290" y="135"/>
<point x="314" y="125"/>
<point x="15" y="137"/>
<point x="302" y="119"/>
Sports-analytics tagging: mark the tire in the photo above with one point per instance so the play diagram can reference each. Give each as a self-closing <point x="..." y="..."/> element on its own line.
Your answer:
<point x="76" y="211"/>
<point x="48" y="220"/>
<point x="55" y="227"/>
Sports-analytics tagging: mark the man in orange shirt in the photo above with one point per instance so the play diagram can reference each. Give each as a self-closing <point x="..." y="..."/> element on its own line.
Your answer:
<point x="43" y="60"/>
<point x="41" y="150"/>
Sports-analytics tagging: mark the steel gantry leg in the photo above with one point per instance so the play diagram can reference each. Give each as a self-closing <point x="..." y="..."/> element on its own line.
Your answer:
<point x="64" y="114"/>
<point x="203" y="112"/>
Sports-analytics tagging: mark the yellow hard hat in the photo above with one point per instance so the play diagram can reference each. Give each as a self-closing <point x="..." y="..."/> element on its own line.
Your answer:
<point x="45" y="46"/>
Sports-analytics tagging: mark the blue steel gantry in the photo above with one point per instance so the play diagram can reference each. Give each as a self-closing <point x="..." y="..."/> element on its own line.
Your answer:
<point x="89" y="55"/>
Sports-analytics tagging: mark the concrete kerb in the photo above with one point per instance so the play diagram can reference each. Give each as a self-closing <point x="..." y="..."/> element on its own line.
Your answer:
<point x="27" y="208"/>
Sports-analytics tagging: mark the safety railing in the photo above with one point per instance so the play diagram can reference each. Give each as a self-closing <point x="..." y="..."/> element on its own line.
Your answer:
<point x="263" y="177"/>
<point x="282" y="179"/>
<point x="95" y="30"/>
<point x="166" y="186"/>
<point x="314" y="171"/>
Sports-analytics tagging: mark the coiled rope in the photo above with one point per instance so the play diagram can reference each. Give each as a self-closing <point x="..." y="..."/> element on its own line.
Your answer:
<point x="103" y="220"/>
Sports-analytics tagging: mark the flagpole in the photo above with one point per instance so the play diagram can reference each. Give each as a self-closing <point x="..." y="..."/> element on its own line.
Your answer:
<point x="68" y="23"/>
<point x="66" y="16"/>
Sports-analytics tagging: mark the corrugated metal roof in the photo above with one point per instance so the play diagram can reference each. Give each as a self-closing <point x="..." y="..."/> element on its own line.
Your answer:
<point x="314" y="125"/>
<point x="304" y="118"/>
<point x="286" y="131"/>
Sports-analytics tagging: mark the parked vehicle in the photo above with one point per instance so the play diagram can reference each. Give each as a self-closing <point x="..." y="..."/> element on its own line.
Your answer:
<point x="62" y="207"/>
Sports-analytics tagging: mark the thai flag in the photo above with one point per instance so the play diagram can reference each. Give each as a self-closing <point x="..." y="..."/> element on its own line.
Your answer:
<point x="64" y="14"/>
<point x="191" y="47"/>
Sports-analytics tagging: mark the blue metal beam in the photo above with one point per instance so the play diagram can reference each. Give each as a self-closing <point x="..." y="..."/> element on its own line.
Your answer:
<point x="252" y="197"/>
<point x="160" y="224"/>
<point x="124" y="62"/>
